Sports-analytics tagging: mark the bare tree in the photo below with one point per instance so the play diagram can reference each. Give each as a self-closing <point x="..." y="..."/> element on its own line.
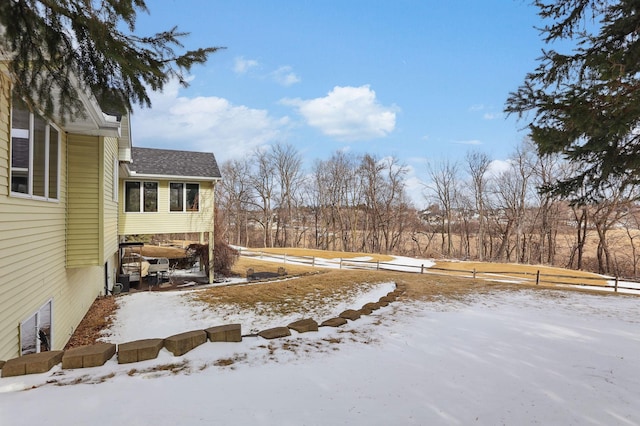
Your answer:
<point x="444" y="189"/>
<point x="612" y="207"/>
<point x="547" y="170"/>
<point x="263" y="183"/>
<point x="235" y="197"/>
<point x="395" y="206"/>
<point x="287" y="164"/>
<point x="631" y="225"/>
<point x="478" y="165"/>
<point x="512" y="191"/>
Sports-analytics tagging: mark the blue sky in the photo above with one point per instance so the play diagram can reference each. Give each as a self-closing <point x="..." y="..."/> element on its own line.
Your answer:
<point x="420" y="80"/>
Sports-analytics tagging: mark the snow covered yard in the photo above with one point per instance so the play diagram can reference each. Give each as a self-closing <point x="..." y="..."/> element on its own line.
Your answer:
<point x="504" y="357"/>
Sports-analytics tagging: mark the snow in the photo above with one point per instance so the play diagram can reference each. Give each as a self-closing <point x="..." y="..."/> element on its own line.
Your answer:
<point x="506" y="357"/>
<point x="398" y="263"/>
<point x="416" y="265"/>
<point x="144" y="315"/>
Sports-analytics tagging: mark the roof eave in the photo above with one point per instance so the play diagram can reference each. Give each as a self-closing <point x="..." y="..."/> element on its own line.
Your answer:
<point x="95" y="122"/>
<point x="134" y="174"/>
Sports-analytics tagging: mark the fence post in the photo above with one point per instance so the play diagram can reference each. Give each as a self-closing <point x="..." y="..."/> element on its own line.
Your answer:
<point x="261" y="253"/>
<point x="340" y="263"/>
<point x="474" y="273"/>
<point x="422" y="268"/>
<point x="313" y="261"/>
<point x="377" y="265"/>
<point x="616" y="288"/>
<point x="285" y="258"/>
<point x="538" y="277"/>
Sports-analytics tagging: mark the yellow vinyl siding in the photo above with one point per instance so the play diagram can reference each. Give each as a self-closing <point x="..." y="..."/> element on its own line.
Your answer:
<point x="32" y="262"/>
<point x="5" y="127"/>
<point x="33" y="237"/>
<point x="83" y="202"/>
<point x="109" y="211"/>
<point x="163" y="221"/>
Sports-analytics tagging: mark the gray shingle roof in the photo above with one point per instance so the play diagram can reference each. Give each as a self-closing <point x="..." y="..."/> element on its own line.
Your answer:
<point x="167" y="162"/>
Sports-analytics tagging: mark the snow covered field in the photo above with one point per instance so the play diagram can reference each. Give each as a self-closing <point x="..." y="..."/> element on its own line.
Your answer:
<point x="520" y="357"/>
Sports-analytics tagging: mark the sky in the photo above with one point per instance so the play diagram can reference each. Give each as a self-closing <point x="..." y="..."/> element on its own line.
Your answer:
<point x="424" y="81"/>
<point x="496" y="357"/>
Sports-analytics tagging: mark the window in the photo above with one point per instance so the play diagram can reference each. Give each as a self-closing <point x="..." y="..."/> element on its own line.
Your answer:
<point x="35" y="332"/>
<point x="137" y="200"/>
<point x="184" y="197"/>
<point x="35" y="154"/>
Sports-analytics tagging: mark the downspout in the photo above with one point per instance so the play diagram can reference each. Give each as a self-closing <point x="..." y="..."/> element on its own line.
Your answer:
<point x="211" y="232"/>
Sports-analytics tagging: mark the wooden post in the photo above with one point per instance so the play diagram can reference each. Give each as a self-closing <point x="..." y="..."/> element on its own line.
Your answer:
<point x="538" y="277"/>
<point x="474" y="273"/>
<point x="340" y="263"/>
<point x="285" y="258"/>
<point x="377" y="265"/>
<point x="422" y="268"/>
<point x="616" y="287"/>
<point x="211" y="272"/>
<point x="313" y="261"/>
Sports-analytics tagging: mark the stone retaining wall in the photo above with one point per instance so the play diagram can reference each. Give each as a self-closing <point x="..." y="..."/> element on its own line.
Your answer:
<point x="179" y="344"/>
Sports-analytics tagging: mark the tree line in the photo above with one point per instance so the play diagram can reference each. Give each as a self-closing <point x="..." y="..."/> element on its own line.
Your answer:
<point x="359" y="203"/>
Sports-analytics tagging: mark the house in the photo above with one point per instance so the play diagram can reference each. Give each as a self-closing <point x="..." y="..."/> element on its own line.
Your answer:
<point x="63" y="211"/>
<point x="58" y="220"/>
<point x="166" y="191"/>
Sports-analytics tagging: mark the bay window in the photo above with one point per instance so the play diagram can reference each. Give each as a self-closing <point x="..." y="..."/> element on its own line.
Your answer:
<point x="35" y="154"/>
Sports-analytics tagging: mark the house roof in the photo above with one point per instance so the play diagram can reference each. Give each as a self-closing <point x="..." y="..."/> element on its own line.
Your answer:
<point x="172" y="163"/>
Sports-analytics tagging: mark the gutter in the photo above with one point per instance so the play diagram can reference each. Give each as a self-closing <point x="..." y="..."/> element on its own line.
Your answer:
<point x="134" y="174"/>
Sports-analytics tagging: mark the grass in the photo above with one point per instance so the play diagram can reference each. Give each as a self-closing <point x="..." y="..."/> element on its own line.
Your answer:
<point x="313" y="286"/>
<point x="244" y="263"/>
<point x="289" y="296"/>
<point x="548" y="274"/>
<point x="324" y="254"/>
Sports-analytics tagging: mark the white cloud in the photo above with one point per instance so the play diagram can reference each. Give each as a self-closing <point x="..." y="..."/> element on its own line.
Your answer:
<point x="497" y="167"/>
<point x="242" y="65"/>
<point x="492" y="115"/>
<point x="489" y="112"/>
<point x="285" y="76"/>
<point x="347" y="113"/>
<point x="469" y="142"/>
<point x="209" y="124"/>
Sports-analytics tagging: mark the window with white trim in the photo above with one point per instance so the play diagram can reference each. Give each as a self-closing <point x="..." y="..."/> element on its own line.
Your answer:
<point x="35" y="331"/>
<point x="140" y="197"/>
<point x="184" y="197"/>
<point x="35" y="154"/>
